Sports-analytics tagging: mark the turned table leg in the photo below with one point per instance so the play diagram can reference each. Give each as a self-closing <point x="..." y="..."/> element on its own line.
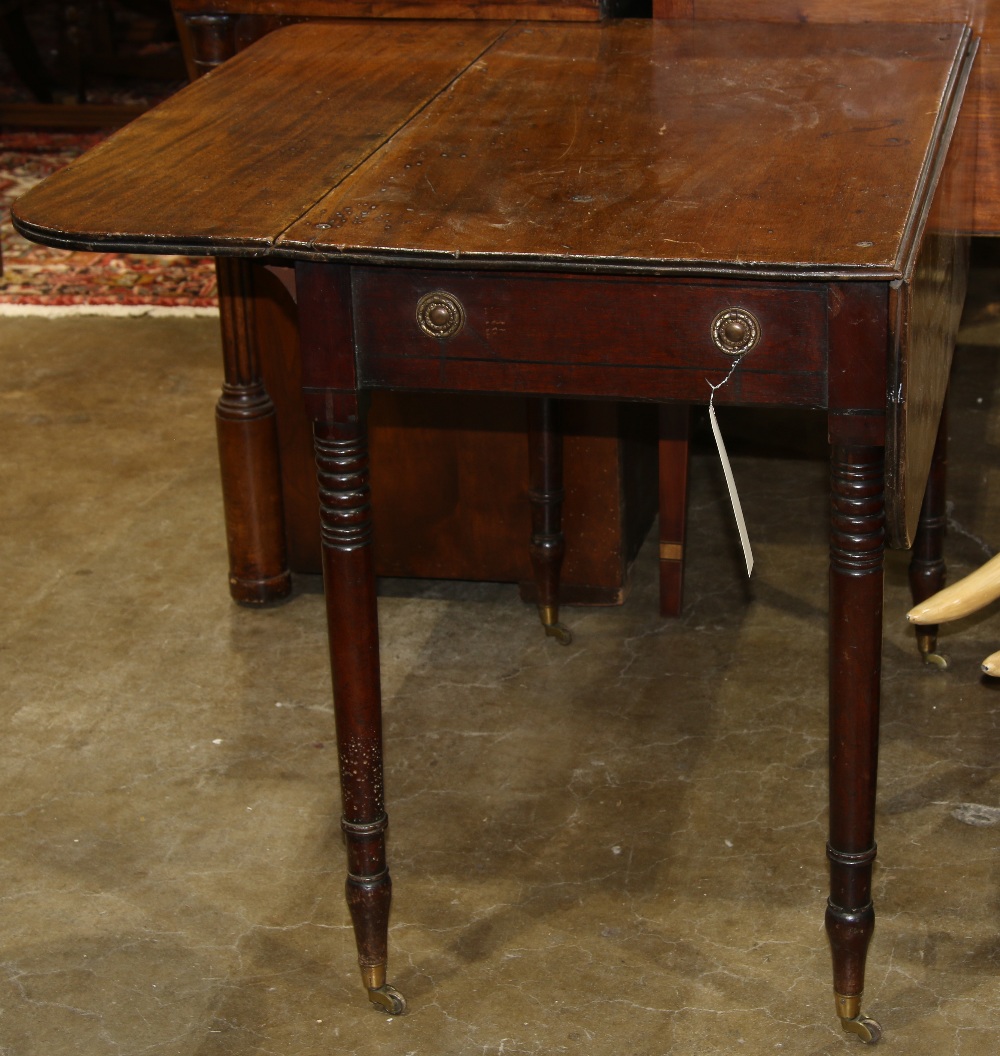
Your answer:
<point x="244" y="416"/>
<point x="927" y="567"/>
<point x="857" y="540"/>
<point x="248" y="451"/>
<point x="352" y="623"/>
<point x="548" y="545"/>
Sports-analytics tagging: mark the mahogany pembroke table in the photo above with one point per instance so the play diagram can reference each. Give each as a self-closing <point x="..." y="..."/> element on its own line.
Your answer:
<point x="619" y="210"/>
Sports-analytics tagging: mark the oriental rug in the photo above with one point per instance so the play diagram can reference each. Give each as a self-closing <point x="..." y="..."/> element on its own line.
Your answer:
<point x="41" y="281"/>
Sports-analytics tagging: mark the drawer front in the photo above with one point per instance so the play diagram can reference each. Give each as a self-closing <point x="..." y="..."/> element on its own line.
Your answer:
<point x="628" y="337"/>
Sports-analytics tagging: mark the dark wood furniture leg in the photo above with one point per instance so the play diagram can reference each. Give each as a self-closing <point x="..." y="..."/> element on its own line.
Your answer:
<point x="352" y="622"/>
<point x="249" y="458"/>
<point x="546" y="494"/>
<point x="927" y="567"/>
<point x="857" y="546"/>
<point x="248" y="450"/>
<point x="340" y="438"/>
<point x="675" y="426"/>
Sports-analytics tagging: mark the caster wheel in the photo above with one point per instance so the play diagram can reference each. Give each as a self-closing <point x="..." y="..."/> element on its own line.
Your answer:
<point x="387" y="999"/>
<point x="562" y="634"/>
<point x="868" y="1030"/>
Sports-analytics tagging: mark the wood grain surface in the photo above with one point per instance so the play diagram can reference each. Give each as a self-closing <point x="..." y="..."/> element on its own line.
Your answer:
<point x="637" y="145"/>
<point x="233" y="159"/>
<point x="651" y="145"/>
<point x="983" y="105"/>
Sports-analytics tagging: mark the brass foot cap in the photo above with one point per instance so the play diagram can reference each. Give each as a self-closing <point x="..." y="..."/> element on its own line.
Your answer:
<point x="928" y="646"/>
<point x="848" y="1005"/>
<point x="384" y="997"/>
<point x="851" y="1019"/>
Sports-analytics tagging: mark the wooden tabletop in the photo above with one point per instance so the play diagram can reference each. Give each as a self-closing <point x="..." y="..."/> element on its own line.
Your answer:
<point x="982" y="105"/>
<point x="777" y="150"/>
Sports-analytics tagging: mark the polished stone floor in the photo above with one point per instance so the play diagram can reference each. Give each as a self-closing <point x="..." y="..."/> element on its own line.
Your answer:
<point x="616" y="847"/>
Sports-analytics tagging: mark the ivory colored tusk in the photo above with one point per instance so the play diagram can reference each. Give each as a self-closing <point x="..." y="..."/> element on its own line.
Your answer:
<point x="977" y="589"/>
<point x="991" y="665"/>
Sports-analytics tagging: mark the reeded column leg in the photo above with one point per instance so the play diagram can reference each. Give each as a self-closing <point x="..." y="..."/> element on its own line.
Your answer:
<point x="548" y="546"/>
<point x="248" y="451"/>
<point x="352" y="623"/>
<point x="673" y="472"/>
<point x="927" y="567"/>
<point x="857" y="531"/>
<point x="245" y="419"/>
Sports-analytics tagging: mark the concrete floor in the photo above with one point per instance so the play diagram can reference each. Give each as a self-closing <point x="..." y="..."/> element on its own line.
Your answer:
<point x="612" y="848"/>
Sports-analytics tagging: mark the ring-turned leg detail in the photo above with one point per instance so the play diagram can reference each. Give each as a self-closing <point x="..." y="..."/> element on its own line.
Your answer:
<point x="857" y="543"/>
<point x="352" y="622"/>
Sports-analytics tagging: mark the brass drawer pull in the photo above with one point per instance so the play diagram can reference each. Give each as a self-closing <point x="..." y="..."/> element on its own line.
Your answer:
<point x="440" y="314"/>
<point x="735" y="331"/>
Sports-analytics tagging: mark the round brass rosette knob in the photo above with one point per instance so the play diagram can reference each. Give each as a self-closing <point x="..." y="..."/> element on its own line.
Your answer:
<point x="440" y="314"/>
<point x="735" y="331"/>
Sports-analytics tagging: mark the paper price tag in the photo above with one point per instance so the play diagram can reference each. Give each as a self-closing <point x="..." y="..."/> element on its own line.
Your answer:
<point x="734" y="497"/>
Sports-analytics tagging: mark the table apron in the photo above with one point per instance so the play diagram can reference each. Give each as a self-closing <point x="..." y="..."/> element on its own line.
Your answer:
<point x="635" y="337"/>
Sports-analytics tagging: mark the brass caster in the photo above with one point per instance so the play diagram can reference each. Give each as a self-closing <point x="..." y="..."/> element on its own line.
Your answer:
<point x="851" y="1019"/>
<point x="935" y="660"/>
<point x="868" y="1030"/>
<point x="549" y="615"/>
<point x="388" y="999"/>
<point x="562" y="634"/>
<point x="927" y="644"/>
<point x="383" y="997"/>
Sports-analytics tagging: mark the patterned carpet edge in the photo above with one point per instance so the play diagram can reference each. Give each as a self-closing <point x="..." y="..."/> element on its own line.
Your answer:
<point x="41" y="281"/>
<point x="57" y="311"/>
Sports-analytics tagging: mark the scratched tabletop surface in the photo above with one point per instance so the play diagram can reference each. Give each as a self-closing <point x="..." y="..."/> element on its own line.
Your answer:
<point x="634" y="145"/>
